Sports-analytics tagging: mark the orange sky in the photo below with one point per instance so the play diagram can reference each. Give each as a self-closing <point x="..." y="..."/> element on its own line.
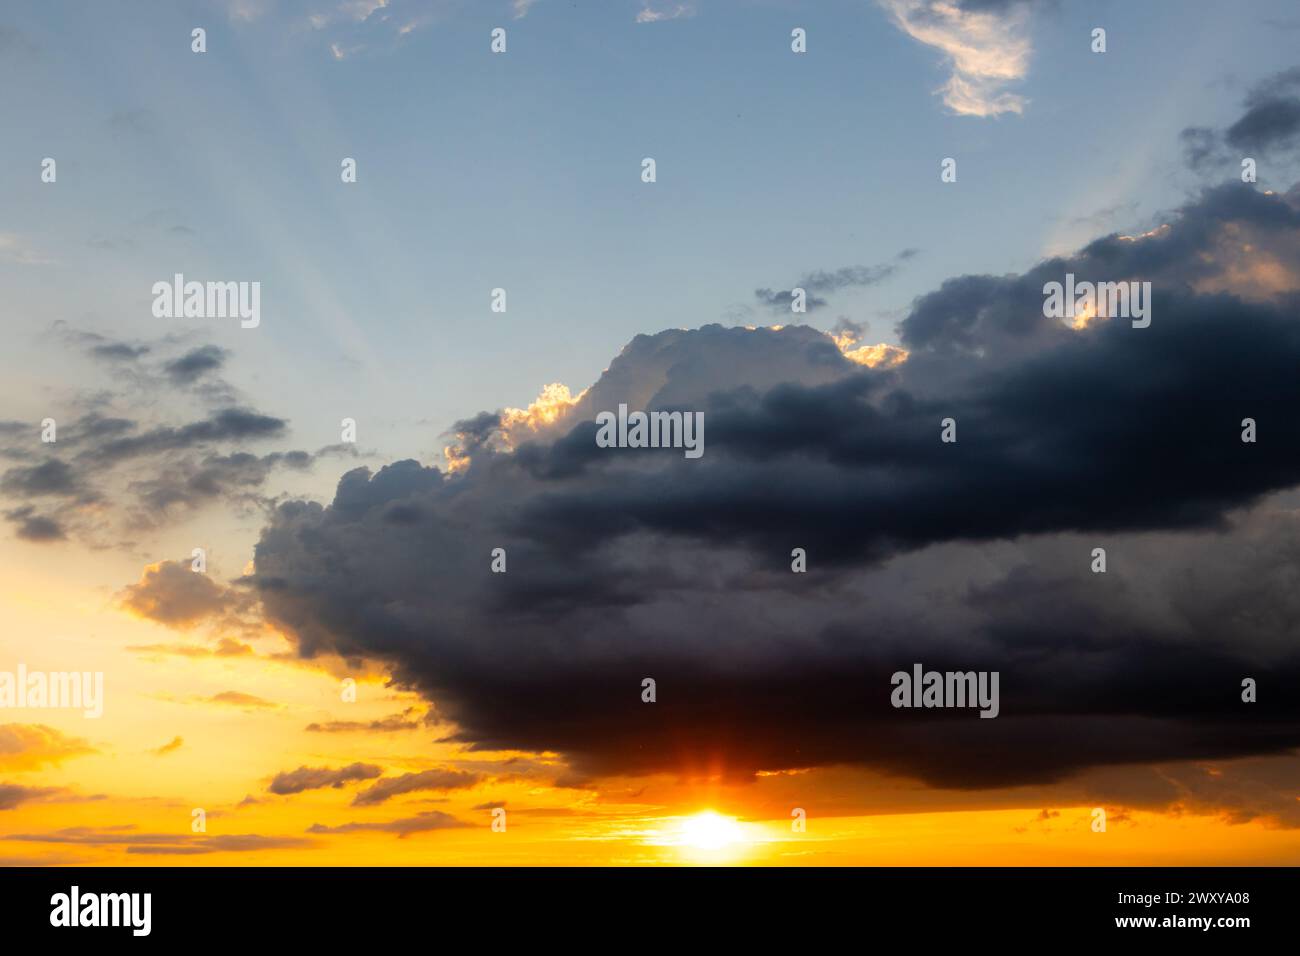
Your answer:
<point x="122" y="790"/>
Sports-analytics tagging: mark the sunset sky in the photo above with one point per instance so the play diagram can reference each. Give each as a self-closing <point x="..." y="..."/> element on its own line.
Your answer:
<point x="329" y="561"/>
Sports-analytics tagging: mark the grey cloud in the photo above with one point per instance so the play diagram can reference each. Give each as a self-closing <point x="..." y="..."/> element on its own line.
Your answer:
<point x="314" y="778"/>
<point x="821" y="282"/>
<point x="196" y="363"/>
<point x="1269" y="126"/>
<point x="13" y="794"/>
<point x="35" y="527"/>
<point x="423" y="822"/>
<point x="634" y="563"/>
<point x="437" y="779"/>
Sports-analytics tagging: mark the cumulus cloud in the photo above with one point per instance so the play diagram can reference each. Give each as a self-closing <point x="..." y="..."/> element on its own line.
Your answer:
<point x="630" y="563"/>
<point x="171" y="593"/>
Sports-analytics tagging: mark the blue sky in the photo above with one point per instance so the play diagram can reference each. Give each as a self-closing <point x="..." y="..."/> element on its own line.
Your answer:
<point x="522" y="171"/>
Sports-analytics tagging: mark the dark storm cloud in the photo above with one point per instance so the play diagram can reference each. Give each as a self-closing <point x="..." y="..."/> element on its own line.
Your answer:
<point x="625" y="564"/>
<point x="314" y="778"/>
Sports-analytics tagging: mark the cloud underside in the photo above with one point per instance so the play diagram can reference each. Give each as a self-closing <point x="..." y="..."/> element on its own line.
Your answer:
<point x="625" y="564"/>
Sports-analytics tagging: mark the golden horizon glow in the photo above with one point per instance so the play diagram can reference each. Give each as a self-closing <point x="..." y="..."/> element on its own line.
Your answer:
<point x="120" y="791"/>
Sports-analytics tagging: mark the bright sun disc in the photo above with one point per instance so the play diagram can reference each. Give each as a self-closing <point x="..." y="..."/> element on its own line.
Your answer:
<point x="710" y="831"/>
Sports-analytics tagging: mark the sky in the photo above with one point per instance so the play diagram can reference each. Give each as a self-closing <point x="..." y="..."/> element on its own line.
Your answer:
<point x="348" y="680"/>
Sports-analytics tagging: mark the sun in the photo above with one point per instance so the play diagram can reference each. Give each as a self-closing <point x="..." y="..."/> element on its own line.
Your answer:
<point x="707" y="830"/>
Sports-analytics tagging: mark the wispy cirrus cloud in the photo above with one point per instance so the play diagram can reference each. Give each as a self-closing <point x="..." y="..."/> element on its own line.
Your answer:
<point x="654" y="13"/>
<point x="986" y="46"/>
<point x="15" y="249"/>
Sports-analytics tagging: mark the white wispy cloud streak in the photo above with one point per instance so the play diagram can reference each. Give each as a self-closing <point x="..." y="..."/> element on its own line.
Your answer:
<point x="985" y="51"/>
<point x="649" y="14"/>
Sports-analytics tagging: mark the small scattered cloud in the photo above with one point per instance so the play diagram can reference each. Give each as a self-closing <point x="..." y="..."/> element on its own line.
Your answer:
<point x="234" y="698"/>
<point x="420" y="823"/>
<point x="171" y="593"/>
<point x="196" y="363"/>
<point x="315" y="778"/>
<point x="1269" y="126"/>
<point x="173" y="745"/>
<point x="32" y="746"/>
<point x="822" y="282"/>
<point x="35" y="527"/>
<point x="411" y="782"/>
<point x="657" y="12"/>
<point x="15" y="249"/>
<point x="394" y="722"/>
<point x="13" y="795"/>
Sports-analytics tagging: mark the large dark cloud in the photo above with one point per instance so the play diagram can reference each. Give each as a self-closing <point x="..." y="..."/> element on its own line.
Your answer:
<point x="626" y="564"/>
